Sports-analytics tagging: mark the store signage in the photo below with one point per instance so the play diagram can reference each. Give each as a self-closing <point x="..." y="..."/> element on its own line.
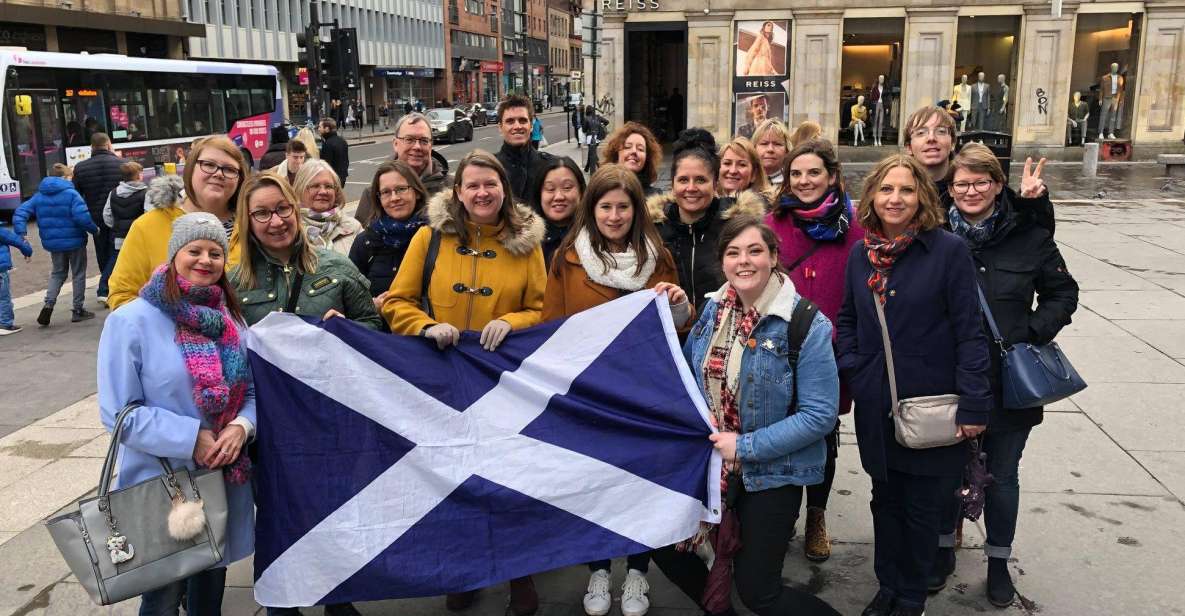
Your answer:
<point x="490" y="66"/>
<point x="404" y="72"/>
<point x="629" y="5"/>
<point x="302" y="76"/>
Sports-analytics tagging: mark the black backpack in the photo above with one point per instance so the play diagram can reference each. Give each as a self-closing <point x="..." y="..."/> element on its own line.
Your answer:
<point x="796" y="332"/>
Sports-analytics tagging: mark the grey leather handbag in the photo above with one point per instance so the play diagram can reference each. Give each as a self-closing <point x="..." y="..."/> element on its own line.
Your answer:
<point x="924" y="421"/>
<point x="119" y="544"/>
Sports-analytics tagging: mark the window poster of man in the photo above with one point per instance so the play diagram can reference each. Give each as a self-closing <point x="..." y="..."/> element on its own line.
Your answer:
<point x="752" y="108"/>
<point x="761" y="48"/>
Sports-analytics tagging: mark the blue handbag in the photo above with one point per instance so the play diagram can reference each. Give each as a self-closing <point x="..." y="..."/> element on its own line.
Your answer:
<point x="1032" y="374"/>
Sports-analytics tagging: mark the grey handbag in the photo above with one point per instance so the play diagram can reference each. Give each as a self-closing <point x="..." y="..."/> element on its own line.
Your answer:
<point x="134" y="552"/>
<point x="922" y="422"/>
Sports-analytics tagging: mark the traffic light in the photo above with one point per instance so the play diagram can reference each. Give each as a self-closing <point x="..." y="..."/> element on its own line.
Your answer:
<point x="326" y="65"/>
<point x="345" y="61"/>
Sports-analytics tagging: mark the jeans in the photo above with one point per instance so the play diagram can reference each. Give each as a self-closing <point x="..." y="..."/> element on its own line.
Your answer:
<point x="6" y="315"/>
<point x="104" y="256"/>
<point x="757" y="567"/>
<point x="64" y="263"/>
<point x="641" y="562"/>
<point x="1003" y="451"/>
<point x="203" y="595"/>
<point x="907" y="512"/>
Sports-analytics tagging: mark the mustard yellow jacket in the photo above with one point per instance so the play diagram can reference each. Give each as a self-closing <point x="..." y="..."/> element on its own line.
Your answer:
<point x="145" y="248"/>
<point x="498" y="274"/>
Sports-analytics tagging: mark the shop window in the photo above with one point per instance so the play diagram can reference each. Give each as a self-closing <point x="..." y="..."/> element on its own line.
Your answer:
<point x="986" y="46"/>
<point x="1106" y="44"/>
<point x="872" y="52"/>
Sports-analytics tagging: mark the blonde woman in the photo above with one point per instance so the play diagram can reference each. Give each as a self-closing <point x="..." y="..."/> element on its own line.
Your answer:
<point x="805" y="132"/>
<point x="771" y="138"/>
<point x="309" y="139"/>
<point x="322" y="203"/>
<point x="741" y="170"/>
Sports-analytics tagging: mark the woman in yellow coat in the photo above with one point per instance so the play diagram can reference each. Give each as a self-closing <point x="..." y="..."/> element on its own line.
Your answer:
<point x="214" y="171"/>
<point x="488" y="275"/>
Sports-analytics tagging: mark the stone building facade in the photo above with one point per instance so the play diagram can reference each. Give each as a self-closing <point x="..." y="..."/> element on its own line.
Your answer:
<point x="821" y="56"/>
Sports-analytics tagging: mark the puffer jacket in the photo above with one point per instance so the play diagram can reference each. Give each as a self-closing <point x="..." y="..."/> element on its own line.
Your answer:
<point x="8" y="238"/>
<point x="435" y="179"/>
<point x="95" y="178"/>
<point x="62" y="217"/>
<point x="694" y="246"/>
<point x="1018" y="261"/>
<point x="498" y="274"/>
<point x="777" y="448"/>
<point x="124" y="205"/>
<point x="336" y="284"/>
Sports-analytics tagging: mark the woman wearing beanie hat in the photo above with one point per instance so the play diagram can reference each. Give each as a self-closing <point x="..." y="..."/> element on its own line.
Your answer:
<point x="178" y="350"/>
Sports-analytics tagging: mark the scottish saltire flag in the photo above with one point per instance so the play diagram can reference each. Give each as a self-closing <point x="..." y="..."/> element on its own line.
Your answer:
<point x="390" y="469"/>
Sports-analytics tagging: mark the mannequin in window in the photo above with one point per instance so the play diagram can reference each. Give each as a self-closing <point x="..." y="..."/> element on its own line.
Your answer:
<point x="981" y="103"/>
<point x="1001" y="97"/>
<point x="859" y="119"/>
<point x="878" y="100"/>
<point x="962" y="96"/>
<point x="1077" y="119"/>
<point x="1110" y="93"/>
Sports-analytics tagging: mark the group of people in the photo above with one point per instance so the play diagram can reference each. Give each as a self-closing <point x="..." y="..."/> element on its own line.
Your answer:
<point x="774" y="276"/>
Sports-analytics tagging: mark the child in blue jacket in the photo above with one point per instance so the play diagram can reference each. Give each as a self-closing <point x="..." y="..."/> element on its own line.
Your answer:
<point x="63" y="221"/>
<point x="8" y="238"/>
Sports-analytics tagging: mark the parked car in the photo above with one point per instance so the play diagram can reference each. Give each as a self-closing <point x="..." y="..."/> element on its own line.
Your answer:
<point x="449" y="124"/>
<point x="491" y="113"/>
<point x="476" y="113"/>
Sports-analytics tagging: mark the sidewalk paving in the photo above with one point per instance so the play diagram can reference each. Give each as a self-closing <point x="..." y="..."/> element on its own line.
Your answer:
<point x="1103" y="479"/>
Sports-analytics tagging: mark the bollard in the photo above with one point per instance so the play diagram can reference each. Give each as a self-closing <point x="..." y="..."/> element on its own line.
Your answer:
<point x="1090" y="160"/>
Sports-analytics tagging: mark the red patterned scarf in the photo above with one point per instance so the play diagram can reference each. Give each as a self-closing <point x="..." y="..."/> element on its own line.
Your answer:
<point x="882" y="254"/>
<point x="738" y="324"/>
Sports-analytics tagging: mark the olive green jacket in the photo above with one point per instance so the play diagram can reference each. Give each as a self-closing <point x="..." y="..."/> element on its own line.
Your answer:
<point x="336" y="285"/>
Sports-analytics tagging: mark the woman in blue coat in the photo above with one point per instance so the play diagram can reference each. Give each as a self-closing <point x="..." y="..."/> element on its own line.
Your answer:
<point x="924" y="278"/>
<point x="179" y="350"/>
<point x="740" y="356"/>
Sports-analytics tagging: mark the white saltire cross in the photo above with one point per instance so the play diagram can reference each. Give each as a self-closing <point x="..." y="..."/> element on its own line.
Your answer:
<point x="451" y="446"/>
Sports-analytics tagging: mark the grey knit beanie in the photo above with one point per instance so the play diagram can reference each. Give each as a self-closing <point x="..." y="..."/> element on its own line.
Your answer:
<point x="196" y="226"/>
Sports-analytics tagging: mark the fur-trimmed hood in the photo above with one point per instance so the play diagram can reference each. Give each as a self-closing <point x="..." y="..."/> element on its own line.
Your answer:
<point x="748" y="202"/>
<point x="164" y="191"/>
<point x="523" y="231"/>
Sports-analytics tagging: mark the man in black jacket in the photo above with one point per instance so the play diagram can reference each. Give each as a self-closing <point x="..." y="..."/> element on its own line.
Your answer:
<point x="95" y="178"/>
<point x="515" y="115"/>
<point x="334" y="149"/>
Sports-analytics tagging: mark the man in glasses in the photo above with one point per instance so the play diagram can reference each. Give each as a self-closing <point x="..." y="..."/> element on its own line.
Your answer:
<point x="515" y="114"/>
<point x="412" y="145"/>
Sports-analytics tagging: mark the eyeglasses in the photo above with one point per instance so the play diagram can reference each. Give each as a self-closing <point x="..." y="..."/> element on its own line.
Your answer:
<point x="980" y="186"/>
<point x="210" y="167"/>
<point x="923" y="132"/>
<point x="420" y="141"/>
<point x="398" y="191"/>
<point x="316" y="187"/>
<point x="284" y="211"/>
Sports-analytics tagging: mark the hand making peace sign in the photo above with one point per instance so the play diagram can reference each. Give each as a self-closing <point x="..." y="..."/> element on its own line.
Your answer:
<point x="1031" y="184"/>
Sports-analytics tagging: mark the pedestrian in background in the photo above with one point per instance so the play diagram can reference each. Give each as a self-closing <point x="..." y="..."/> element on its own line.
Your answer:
<point x="772" y="141"/>
<point x="9" y="238"/>
<point x="295" y="155"/>
<point x="214" y="172"/>
<point x="634" y="147"/>
<point x="179" y="352"/>
<point x="924" y="279"/>
<point x="772" y="417"/>
<point x="379" y="250"/>
<point x="817" y="227"/>
<point x="536" y="133"/>
<point x="334" y="149"/>
<point x="1017" y="259"/>
<point x="556" y="196"/>
<point x="494" y="244"/>
<point x="125" y="204"/>
<point x="805" y="132"/>
<point x="322" y="204"/>
<point x="95" y="178"/>
<point x="63" y="222"/>
<point x="594" y="132"/>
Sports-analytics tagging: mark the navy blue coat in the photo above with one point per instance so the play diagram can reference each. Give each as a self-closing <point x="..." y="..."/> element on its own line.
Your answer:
<point x="938" y="348"/>
<point x="62" y="218"/>
<point x="95" y="178"/>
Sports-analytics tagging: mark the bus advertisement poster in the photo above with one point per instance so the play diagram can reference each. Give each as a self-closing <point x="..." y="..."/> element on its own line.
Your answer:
<point x="251" y="133"/>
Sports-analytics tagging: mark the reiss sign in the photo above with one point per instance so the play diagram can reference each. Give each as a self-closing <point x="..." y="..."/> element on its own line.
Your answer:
<point x="628" y="5"/>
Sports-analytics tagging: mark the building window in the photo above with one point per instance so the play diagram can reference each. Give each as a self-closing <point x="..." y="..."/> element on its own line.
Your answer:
<point x="475" y="7"/>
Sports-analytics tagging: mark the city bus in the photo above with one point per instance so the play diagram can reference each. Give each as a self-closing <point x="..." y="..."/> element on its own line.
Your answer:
<point x="152" y="109"/>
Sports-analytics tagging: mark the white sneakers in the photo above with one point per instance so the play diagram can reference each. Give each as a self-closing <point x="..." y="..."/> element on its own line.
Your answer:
<point x="634" y="602"/>
<point x="597" y="600"/>
<point x="633" y="594"/>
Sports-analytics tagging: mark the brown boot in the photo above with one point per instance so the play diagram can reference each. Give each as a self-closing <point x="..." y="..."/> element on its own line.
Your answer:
<point x="457" y="601"/>
<point x="524" y="601"/>
<point x="817" y="545"/>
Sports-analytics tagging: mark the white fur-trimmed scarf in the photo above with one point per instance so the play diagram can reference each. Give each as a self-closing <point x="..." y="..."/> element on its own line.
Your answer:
<point x="623" y="265"/>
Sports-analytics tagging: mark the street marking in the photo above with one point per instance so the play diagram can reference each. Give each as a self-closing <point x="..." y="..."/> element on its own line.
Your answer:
<point x="359" y="183"/>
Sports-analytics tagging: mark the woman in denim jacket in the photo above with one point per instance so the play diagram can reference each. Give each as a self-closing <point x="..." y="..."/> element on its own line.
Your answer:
<point x="738" y="352"/>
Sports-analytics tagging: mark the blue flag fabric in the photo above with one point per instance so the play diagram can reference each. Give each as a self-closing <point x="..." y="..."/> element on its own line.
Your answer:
<point x="389" y="469"/>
